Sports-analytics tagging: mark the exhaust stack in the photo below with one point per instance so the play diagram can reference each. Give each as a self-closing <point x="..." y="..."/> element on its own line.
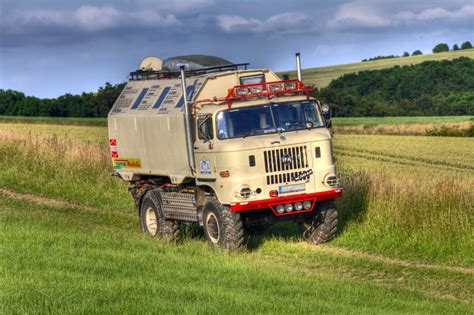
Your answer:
<point x="187" y="122"/>
<point x="298" y="66"/>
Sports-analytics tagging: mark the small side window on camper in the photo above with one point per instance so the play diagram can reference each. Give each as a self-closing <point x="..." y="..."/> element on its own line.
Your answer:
<point x="205" y="128"/>
<point x="252" y="79"/>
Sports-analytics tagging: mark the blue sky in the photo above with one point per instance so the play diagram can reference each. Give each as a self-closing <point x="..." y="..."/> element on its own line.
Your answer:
<point x="52" y="47"/>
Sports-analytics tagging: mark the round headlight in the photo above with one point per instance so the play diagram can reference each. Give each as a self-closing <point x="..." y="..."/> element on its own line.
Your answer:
<point x="245" y="192"/>
<point x="280" y="209"/>
<point x="289" y="207"/>
<point x="298" y="206"/>
<point x="307" y="205"/>
<point x="331" y="181"/>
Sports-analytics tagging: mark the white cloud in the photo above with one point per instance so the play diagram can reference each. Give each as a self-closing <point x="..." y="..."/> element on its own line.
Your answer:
<point x="175" y="6"/>
<point x="464" y="12"/>
<point x="291" y="22"/>
<point x="92" y="18"/>
<point x="86" y="18"/>
<point x="231" y="23"/>
<point x="358" y="14"/>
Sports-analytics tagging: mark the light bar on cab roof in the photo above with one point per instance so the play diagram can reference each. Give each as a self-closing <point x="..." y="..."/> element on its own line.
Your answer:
<point x="268" y="89"/>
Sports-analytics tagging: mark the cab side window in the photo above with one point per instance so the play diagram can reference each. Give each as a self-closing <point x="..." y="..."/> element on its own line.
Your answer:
<point x="205" y="127"/>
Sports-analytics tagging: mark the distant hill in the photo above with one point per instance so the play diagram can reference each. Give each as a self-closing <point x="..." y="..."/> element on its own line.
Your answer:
<point x="430" y="88"/>
<point x="323" y="75"/>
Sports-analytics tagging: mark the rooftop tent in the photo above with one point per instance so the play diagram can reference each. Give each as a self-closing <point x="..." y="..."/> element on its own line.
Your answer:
<point x="194" y="62"/>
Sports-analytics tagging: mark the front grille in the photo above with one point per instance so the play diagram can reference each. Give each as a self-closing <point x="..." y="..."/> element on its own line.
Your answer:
<point x="286" y="162"/>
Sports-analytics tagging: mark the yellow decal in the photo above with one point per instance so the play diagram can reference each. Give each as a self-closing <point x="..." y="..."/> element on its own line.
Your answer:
<point x="120" y="164"/>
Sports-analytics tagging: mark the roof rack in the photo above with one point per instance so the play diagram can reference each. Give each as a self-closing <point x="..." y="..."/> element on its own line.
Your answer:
<point x="267" y="89"/>
<point x="166" y="74"/>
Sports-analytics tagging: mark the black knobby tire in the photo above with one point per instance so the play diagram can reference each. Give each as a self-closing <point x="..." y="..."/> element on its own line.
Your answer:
<point x="222" y="227"/>
<point x="323" y="225"/>
<point x="166" y="229"/>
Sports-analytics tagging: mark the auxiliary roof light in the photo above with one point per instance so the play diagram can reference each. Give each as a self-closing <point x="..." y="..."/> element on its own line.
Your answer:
<point x="242" y="91"/>
<point x="289" y="207"/>
<point x="290" y="85"/>
<point x="256" y="89"/>
<point x="276" y="87"/>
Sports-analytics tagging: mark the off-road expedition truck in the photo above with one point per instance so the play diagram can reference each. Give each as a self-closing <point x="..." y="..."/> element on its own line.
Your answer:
<point x="201" y="139"/>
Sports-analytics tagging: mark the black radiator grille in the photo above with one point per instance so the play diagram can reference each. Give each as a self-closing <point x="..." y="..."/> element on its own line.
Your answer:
<point x="296" y="159"/>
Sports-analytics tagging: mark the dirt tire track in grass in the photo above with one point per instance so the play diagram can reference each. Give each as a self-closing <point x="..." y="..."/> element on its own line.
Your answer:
<point x="325" y="248"/>
<point x="51" y="202"/>
<point x="391" y="261"/>
<point x="397" y="160"/>
<point x="44" y="201"/>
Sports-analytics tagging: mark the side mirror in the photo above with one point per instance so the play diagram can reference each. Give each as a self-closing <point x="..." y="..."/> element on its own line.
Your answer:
<point x="326" y="113"/>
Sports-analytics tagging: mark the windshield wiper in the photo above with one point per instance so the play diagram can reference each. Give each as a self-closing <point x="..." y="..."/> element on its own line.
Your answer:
<point x="250" y="133"/>
<point x="273" y="119"/>
<point x="305" y="124"/>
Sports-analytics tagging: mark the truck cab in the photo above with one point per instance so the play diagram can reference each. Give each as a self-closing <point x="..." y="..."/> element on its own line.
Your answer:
<point x="237" y="151"/>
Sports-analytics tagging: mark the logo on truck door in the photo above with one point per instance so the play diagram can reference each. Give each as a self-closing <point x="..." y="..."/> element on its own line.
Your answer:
<point x="205" y="167"/>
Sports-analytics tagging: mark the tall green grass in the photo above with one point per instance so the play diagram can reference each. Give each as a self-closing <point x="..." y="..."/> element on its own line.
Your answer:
<point x="418" y="209"/>
<point x="59" y="260"/>
<point x="93" y="258"/>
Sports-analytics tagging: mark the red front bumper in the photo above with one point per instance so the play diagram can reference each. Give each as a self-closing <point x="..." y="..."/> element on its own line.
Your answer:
<point x="272" y="202"/>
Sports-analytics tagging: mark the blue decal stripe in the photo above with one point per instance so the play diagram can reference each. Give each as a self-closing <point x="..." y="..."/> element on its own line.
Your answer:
<point x="190" y="95"/>
<point x="139" y="99"/>
<point x="162" y="97"/>
<point x="189" y="90"/>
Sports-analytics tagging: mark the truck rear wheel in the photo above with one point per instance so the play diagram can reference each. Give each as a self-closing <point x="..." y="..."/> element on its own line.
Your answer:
<point x="323" y="225"/>
<point x="222" y="227"/>
<point x="152" y="220"/>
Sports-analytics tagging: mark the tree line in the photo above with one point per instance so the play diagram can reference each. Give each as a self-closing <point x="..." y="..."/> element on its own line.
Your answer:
<point x="97" y="104"/>
<point x="441" y="47"/>
<point x="429" y="88"/>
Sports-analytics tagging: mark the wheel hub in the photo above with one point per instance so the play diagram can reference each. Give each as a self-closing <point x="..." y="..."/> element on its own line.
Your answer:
<point x="213" y="229"/>
<point x="151" y="221"/>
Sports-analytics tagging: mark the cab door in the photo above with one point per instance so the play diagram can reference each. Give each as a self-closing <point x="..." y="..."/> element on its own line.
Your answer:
<point x="203" y="149"/>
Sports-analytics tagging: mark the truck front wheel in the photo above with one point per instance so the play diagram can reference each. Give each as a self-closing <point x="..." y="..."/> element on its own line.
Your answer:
<point x="322" y="226"/>
<point x="222" y="227"/>
<point x="152" y="220"/>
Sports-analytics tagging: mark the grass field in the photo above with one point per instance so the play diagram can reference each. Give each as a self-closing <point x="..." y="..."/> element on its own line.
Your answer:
<point x="401" y="120"/>
<point x="339" y="121"/>
<point x="455" y="126"/>
<point x="78" y="121"/>
<point x="322" y="76"/>
<point x="71" y="242"/>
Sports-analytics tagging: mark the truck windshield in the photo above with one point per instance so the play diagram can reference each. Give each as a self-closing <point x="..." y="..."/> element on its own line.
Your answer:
<point x="271" y="118"/>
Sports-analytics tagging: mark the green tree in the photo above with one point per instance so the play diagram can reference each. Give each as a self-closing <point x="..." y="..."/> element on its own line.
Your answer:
<point x="441" y="47"/>
<point x="429" y="88"/>
<point x="466" y="45"/>
<point x="417" y="53"/>
<point x="455" y="47"/>
<point x="406" y="54"/>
